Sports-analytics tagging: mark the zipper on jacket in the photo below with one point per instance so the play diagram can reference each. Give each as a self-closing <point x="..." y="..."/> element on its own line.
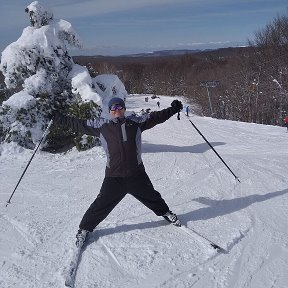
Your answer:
<point x="124" y="134"/>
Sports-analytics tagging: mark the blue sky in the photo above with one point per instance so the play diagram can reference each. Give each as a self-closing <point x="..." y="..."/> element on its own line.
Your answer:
<point x="114" y="27"/>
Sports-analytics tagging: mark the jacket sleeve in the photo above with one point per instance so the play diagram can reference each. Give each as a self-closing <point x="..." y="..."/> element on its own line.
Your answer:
<point x="88" y="127"/>
<point x="156" y="117"/>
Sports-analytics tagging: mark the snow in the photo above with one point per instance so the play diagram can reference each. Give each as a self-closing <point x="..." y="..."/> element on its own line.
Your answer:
<point x="41" y="41"/>
<point x="82" y="82"/>
<point x="133" y="247"/>
<point x="39" y="13"/>
<point x="109" y="86"/>
<point x="20" y="100"/>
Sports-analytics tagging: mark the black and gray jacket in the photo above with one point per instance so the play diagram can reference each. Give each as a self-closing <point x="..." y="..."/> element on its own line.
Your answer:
<point x="120" y="138"/>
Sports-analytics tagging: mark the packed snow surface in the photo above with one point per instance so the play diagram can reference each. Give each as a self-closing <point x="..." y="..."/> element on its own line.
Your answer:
<point x="132" y="247"/>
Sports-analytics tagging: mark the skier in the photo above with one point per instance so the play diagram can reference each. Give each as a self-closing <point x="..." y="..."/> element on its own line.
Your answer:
<point x="158" y="104"/>
<point x="125" y="172"/>
<point x="187" y="111"/>
<point x="286" y="122"/>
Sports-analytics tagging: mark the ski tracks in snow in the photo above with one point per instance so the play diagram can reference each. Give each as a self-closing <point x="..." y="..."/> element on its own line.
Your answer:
<point x="248" y="219"/>
<point x="141" y="258"/>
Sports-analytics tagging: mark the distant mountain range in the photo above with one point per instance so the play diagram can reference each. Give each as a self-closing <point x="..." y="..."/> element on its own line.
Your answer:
<point x="168" y="53"/>
<point x="225" y="51"/>
<point x="145" y="52"/>
<point x="148" y="54"/>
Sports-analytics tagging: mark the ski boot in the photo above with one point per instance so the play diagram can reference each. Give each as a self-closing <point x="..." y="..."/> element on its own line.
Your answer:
<point x="80" y="237"/>
<point x="172" y="218"/>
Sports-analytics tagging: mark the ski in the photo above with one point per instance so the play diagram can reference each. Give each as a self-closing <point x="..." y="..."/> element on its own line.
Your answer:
<point x="70" y="276"/>
<point x="193" y="233"/>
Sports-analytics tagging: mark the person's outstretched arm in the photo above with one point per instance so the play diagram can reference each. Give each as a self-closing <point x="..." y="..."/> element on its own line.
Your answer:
<point x="157" y="117"/>
<point x="89" y="127"/>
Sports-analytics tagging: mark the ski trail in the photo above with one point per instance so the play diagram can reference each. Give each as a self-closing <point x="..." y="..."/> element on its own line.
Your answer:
<point x="98" y="254"/>
<point x="110" y="253"/>
<point x="249" y="264"/>
<point x="23" y="230"/>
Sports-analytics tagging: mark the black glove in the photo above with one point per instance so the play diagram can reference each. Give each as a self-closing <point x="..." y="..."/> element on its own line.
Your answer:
<point x="177" y="105"/>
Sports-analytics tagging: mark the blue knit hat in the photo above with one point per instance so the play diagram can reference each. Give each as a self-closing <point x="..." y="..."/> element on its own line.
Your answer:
<point x="116" y="100"/>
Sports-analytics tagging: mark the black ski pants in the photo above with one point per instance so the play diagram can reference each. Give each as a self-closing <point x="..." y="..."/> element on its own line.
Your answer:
<point x="113" y="190"/>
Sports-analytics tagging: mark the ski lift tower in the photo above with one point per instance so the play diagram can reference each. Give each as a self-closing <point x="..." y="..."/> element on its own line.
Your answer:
<point x="209" y="85"/>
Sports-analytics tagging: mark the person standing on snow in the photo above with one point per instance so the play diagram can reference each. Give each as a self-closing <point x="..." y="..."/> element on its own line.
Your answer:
<point x="286" y="122"/>
<point x="125" y="172"/>
<point x="187" y="111"/>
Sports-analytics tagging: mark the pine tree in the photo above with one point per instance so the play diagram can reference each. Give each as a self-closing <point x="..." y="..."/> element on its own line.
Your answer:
<point x="40" y="63"/>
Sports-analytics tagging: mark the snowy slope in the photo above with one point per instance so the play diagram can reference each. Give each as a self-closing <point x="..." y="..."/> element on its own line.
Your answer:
<point x="132" y="247"/>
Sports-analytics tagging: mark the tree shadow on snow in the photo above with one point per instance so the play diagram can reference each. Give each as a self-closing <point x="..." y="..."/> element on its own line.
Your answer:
<point x="198" y="148"/>
<point x="223" y="207"/>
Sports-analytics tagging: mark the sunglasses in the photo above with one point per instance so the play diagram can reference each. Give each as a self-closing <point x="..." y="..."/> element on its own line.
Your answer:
<point x="116" y="107"/>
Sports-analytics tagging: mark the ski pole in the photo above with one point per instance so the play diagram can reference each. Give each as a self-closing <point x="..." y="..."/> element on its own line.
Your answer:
<point x="212" y="148"/>
<point x="35" y="150"/>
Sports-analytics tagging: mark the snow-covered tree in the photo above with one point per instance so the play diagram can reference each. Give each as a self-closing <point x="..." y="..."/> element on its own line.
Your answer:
<point x="40" y="63"/>
<point x="40" y="53"/>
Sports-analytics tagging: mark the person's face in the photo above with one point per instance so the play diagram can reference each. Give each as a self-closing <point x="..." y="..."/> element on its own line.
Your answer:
<point x="117" y="110"/>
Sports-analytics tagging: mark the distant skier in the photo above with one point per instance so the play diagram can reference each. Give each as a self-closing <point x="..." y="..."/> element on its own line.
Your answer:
<point x="187" y="111"/>
<point x="286" y="122"/>
<point x="158" y="104"/>
<point x="125" y="172"/>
